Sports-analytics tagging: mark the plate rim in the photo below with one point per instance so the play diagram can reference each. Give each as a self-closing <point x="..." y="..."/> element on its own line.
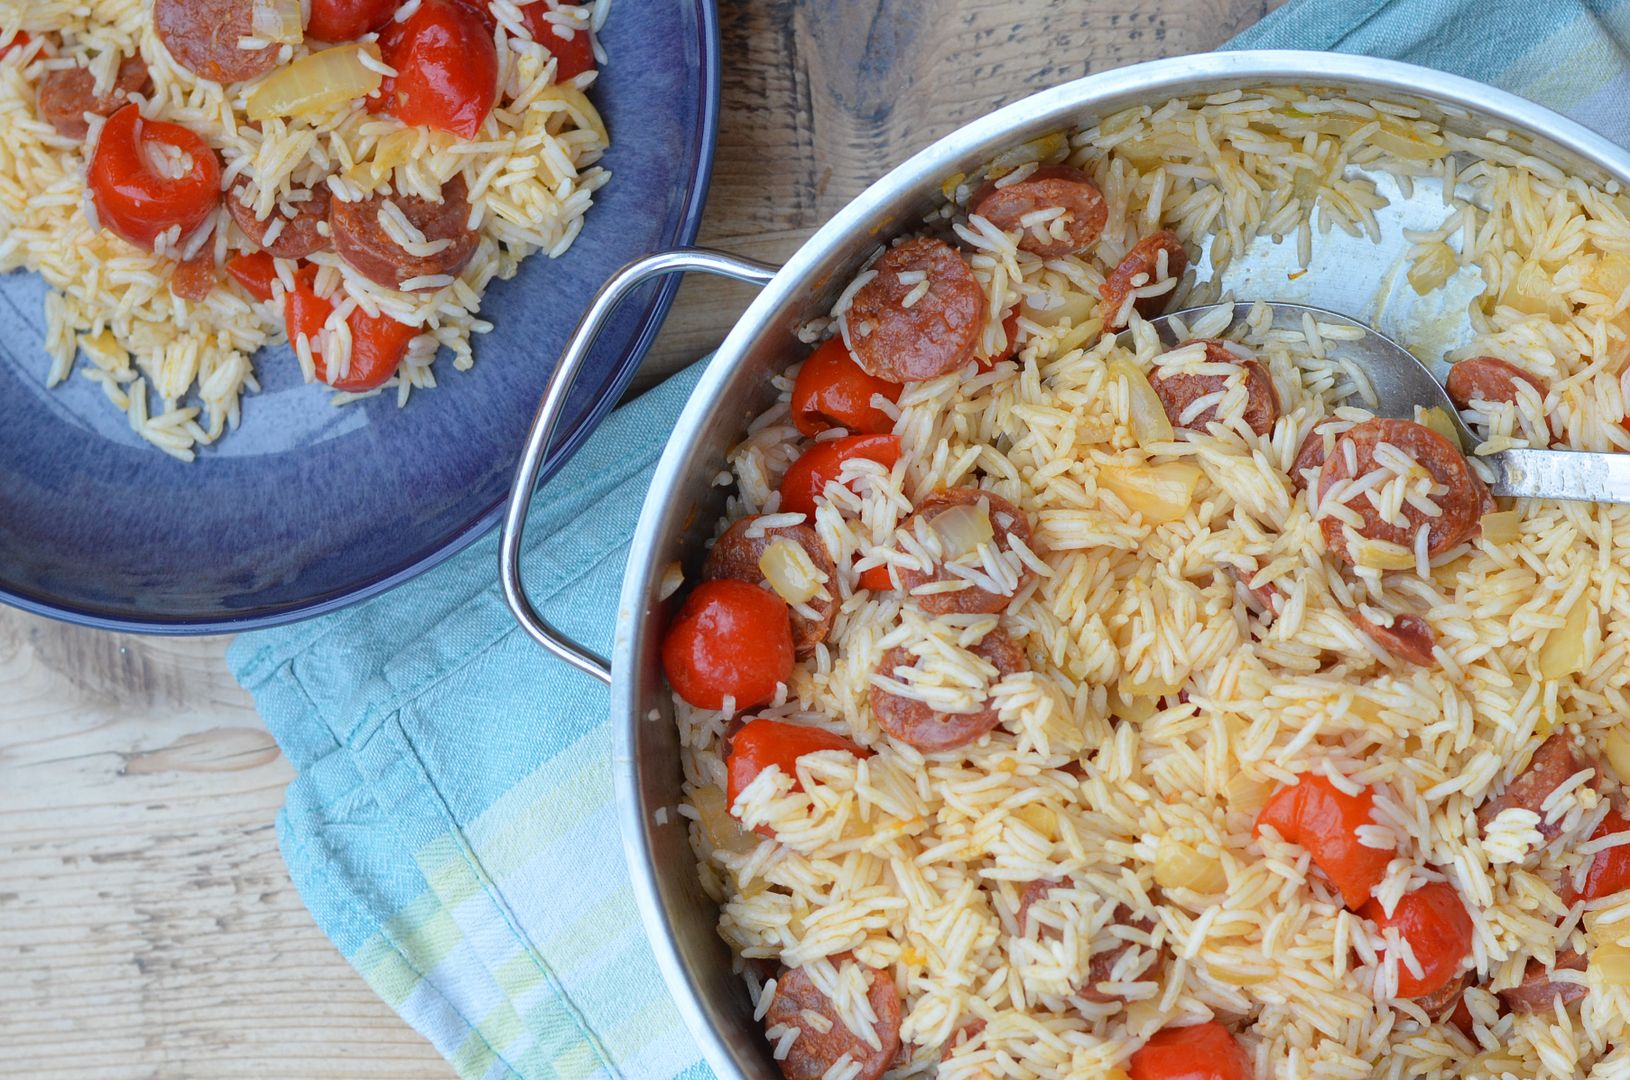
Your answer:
<point x="690" y="221"/>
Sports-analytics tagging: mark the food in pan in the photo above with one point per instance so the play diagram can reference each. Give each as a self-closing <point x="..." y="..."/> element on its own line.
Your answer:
<point x="1056" y="702"/>
<point x="196" y="179"/>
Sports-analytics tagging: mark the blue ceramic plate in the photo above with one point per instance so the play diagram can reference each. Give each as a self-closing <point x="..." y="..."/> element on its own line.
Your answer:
<point x="307" y="507"/>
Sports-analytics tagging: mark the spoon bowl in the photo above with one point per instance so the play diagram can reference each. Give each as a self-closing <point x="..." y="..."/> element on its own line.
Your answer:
<point x="1402" y="384"/>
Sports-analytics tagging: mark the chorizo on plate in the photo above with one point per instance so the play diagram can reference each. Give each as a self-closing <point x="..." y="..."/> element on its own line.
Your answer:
<point x="363" y="241"/>
<point x="203" y="37"/>
<point x="67" y="94"/>
<point x="297" y="237"/>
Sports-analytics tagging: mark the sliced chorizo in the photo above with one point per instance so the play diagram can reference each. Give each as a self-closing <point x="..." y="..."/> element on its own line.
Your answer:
<point x="1538" y="992"/>
<point x="1179" y="391"/>
<point x="965" y="1033"/>
<point x="1309" y="458"/>
<point x="1142" y="266"/>
<point x="67" y="94"/>
<point x="1268" y="597"/>
<point x="299" y="236"/>
<point x="1445" y="999"/>
<point x="1006" y="521"/>
<point x="1409" y="637"/>
<point x="798" y="1003"/>
<point x="362" y="241"/>
<point x="1461" y="1017"/>
<point x="736" y="554"/>
<point x="1101" y="966"/>
<point x="203" y="37"/>
<point x="918" y="724"/>
<point x="919" y="316"/>
<point x="1049" y="187"/>
<point x="1552" y="763"/>
<point x="1460" y="502"/>
<point x="195" y="279"/>
<point x="1488" y="378"/>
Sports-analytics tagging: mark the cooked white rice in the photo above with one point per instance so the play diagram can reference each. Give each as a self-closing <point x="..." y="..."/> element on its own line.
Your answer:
<point x="179" y="369"/>
<point x="914" y="863"/>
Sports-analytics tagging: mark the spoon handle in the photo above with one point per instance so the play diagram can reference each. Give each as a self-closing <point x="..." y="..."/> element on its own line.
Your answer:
<point x="1561" y="474"/>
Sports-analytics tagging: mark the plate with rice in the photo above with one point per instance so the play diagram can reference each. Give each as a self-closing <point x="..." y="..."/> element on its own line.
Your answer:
<point x="1056" y="699"/>
<point x="286" y="279"/>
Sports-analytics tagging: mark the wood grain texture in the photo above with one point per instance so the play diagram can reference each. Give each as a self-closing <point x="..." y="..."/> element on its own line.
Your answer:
<point x="147" y="925"/>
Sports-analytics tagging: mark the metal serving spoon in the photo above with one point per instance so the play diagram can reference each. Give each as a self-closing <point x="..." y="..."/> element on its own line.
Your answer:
<point x="1402" y="382"/>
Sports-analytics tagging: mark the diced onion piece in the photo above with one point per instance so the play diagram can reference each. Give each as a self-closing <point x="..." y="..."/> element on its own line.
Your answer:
<point x="1151" y="150"/>
<point x="1305" y="184"/>
<point x="316" y="83"/>
<point x="104" y="351"/>
<point x="1501" y="526"/>
<point x="1446" y="575"/>
<point x="1365" y="709"/>
<point x="281" y="21"/>
<point x="1563" y="653"/>
<point x="1180" y="866"/>
<point x="1381" y="555"/>
<point x="1131" y="701"/>
<point x="1235" y="977"/>
<point x="1532" y="292"/>
<point x="1116" y="123"/>
<point x="961" y="529"/>
<point x="1245" y="794"/>
<point x="1078" y="307"/>
<point x="1337" y="125"/>
<point x="1610" y="960"/>
<point x="1433" y="267"/>
<point x="1404" y="144"/>
<point x="1617" y="748"/>
<point x="721" y="831"/>
<point x="1150" y="424"/>
<point x="1076" y="336"/>
<point x="1048" y="147"/>
<point x="1141" y="700"/>
<point x="578" y="107"/>
<point x="1040" y="818"/>
<point x="673" y="576"/>
<point x="1160" y="493"/>
<point x="1439" y="421"/>
<point x="790" y="571"/>
<point x="1611" y="275"/>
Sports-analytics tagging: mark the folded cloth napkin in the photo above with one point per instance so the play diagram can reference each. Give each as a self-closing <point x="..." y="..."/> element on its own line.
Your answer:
<point x="451" y="827"/>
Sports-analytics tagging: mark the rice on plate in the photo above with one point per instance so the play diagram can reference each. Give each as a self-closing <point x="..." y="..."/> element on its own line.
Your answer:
<point x="1059" y="703"/>
<point x="198" y="179"/>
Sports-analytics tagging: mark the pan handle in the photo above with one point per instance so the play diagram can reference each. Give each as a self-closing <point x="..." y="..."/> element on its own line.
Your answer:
<point x="612" y="293"/>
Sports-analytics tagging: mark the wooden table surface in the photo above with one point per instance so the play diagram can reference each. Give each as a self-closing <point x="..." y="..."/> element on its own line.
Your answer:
<point x="147" y="925"/>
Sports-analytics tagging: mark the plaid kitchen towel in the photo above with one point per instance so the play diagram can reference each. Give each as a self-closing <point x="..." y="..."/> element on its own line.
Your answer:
<point x="451" y="826"/>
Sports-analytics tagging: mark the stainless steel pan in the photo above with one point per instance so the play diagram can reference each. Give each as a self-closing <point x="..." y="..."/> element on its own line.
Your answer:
<point x="683" y="504"/>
